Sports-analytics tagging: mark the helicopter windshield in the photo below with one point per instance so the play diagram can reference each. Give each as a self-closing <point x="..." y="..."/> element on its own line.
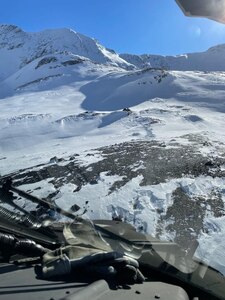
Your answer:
<point x="133" y="135"/>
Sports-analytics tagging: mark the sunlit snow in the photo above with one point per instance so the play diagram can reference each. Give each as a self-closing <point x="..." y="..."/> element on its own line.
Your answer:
<point x="82" y="97"/>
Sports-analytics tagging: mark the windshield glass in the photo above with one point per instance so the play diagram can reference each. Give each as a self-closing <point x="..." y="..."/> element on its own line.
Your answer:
<point x="134" y="134"/>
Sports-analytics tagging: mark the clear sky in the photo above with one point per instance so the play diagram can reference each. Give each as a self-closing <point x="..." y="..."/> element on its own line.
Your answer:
<point x="131" y="26"/>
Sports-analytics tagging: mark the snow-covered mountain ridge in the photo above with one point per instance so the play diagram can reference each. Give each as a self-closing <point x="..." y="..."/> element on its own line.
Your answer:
<point x="50" y="41"/>
<point x="52" y="57"/>
<point x="78" y="122"/>
<point x="211" y="60"/>
<point x="19" y="48"/>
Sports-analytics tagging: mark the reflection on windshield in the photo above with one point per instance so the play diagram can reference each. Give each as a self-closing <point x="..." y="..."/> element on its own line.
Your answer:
<point x="71" y="242"/>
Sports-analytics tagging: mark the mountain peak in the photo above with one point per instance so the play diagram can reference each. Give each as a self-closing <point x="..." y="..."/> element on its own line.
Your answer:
<point x="7" y="28"/>
<point x="51" y="41"/>
<point x="53" y="48"/>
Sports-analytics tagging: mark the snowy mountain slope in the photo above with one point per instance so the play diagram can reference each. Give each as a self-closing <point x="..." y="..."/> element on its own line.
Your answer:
<point x="211" y="60"/>
<point x="35" y="113"/>
<point x="52" y="57"/>
<point x="116" y="91"/>
<point x="51" y="72"/>
<point x="29" y="46"/>
<point x="19" y="49"/>
<point x="145" y="146"/>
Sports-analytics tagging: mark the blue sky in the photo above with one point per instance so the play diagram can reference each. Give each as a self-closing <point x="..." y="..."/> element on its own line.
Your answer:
<point x="131" y="26"/>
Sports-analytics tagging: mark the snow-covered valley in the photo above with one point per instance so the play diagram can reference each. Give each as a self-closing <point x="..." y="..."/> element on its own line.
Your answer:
<point x="81" y="125"/>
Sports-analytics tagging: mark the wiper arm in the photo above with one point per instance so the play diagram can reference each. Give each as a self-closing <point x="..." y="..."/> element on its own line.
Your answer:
<point x="22" y="231"/>
<point x="7" y="187"/>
